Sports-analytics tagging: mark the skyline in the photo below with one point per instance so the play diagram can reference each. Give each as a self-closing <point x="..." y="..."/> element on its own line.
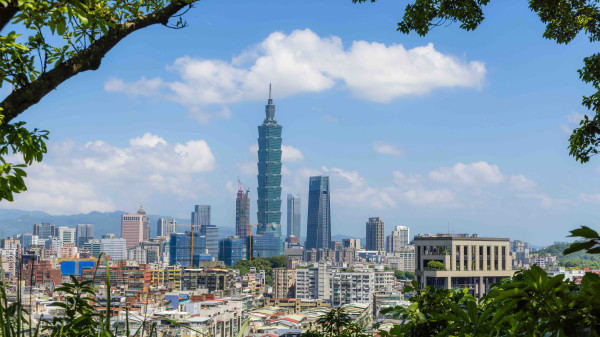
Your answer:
<point x="479" y="150"/>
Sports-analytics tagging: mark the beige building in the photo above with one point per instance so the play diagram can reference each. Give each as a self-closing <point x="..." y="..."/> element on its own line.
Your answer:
<point x="459" y="260"/>
<point x="284" y="283"/>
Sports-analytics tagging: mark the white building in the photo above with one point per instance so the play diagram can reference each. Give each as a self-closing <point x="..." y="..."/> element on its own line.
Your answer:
<point x="313" y="283"/>
<point x="66" y="234"/>
<point x="115" y="248"/>
<point x="399" y="239"/>
<point x="384" y="281"/>
<point x="404" y="259"/>
<point x="352" y="286"/>
<point x="138" y="254"/>
<point x="165" y="226"/>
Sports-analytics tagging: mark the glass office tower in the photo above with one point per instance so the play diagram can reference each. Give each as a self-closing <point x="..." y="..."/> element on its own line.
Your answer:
<point x="318" y="233"/>
<point x="293" y="215"/>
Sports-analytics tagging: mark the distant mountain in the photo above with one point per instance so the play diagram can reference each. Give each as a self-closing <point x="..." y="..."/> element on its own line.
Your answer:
<point x="14" y="222"/>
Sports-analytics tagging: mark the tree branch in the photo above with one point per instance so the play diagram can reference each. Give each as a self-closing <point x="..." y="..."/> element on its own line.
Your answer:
<point x="7" y="13"/>
<point x="88" y="59"/>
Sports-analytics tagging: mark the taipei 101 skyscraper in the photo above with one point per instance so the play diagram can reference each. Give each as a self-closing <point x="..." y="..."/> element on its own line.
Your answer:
<point x="269" y="172"/>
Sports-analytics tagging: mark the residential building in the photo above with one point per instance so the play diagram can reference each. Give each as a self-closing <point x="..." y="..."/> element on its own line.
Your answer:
<point x="138" y="254"/>
<point x="166" y="226"/>
<point x="468" y="261"/>
<point x="214" y="280"/>
<point x="201" y="219"/>
<point x="399" y="239"/>
<point x="132" y="228"/>
<point x="384" y="281"/>
<point x="180" y="249"/>
<point x="115" y="249"/>
<point x="44" y="230"/>
<point x="351" y="243"/>
<point x="350" y="286"/>
<point x="28" y="240"/>
<point x="269" y="176"/>
<point x="313" y="283"/>
<point x="294" y="221"/>
<point x="318" y="234"/>
<point x="145" y="224"/>
<point x="375" y="232"/>
<point x="93" y="246"/>
<point x="242" y="214"/>
<point x="284" y="282"/>
<point x="404" y="259"/>
<point x="231" y="250"/>
<point x="66" y="234"/>
<point x="84" y="233"/>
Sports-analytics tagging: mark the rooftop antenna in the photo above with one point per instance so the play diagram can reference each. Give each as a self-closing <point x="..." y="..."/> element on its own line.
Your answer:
<point x="269" y="90"/>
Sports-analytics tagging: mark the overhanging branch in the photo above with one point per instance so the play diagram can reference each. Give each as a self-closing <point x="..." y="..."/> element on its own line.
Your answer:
<point x="88" y="59"/>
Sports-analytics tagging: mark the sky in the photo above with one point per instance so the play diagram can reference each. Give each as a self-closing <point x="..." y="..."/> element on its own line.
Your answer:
<point x="456" y="131"/>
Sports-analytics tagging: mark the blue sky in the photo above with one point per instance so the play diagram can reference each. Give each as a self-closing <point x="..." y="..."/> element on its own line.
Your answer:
<point x="468" y="129"/>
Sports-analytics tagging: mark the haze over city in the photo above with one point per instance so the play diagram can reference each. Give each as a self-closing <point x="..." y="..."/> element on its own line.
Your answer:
<point x="468" y="133"/>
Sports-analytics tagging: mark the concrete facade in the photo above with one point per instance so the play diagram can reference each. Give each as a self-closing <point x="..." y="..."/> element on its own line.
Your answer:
<point x="469" y="261"/>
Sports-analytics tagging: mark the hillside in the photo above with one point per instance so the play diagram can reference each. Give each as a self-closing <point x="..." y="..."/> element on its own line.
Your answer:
<point x="578" y="259"/>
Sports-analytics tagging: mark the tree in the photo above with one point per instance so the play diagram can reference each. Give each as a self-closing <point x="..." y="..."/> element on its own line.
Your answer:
<point x="436" y="265"/>
<point x="57" y="40"/>
<point x="336" y="322"/>
<point x="564" y="20"/>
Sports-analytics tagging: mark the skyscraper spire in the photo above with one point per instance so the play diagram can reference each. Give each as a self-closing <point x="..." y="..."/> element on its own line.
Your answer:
<point x="270" y="108"/>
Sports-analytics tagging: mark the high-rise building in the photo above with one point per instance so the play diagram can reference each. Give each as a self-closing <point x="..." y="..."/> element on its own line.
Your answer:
<point x="375" y="232"/>
<point x="66" y="234"/>
<point x="284" y="283"/>
<point x="201" y="220"/>
<point x="267" y="244"/>
<point x="44" y="230"/>
<point x="294" y="208"/>
<point x="145" y="224"/>
<point x="398" y="240"/>
<point x="242" y="213"/>
<point x="165" y="226"/>
<point x="94" y="246"/>
<point x="318" y="233"/>
<point x="351" y="243"/>
<point x="28" y="240"/>
<point x="116" y="249"/>
<point x="231" y="250"/>
<point x="180" y="249"/>
<point x="269" y="173"/>
<point x="84" y="233"/>
<point x="132" y="228"/>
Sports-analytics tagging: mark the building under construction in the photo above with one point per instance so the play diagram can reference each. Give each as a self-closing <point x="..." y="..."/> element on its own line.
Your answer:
<point x="242" y="213"/>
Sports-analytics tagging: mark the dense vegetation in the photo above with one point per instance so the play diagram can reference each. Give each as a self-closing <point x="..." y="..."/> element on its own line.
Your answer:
<point x="578" y="260"/>
<point x="404" y="275"/>
<point x="266" y="264"/>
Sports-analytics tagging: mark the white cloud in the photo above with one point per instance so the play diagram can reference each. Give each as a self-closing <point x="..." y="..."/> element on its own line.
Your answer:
<point x="330" y="119"/>
<point x="474" y="174"/>
<point x="143" y="87"/>
<point x="545" y="200"/>
<point x="385" y="148"/>
<point x="521" y="183"/>
<point x="289" y="154"/>
<point x="573" y="120"/>
<point x="97" y="175"/>
<point x="591" y="198"/>
<point x="303" y="62"/>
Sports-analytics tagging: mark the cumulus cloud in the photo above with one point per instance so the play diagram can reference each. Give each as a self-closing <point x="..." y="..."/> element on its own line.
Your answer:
<point x="591" y="198"/>
<point x="473" y="175"/>
<point x="289" y="154"/>
<point x="521" y="183"/>
<point x="98" y="175"/>
<point x="573" y="120"/>
<point x="545" y="200"/>
<point x="304" y="62"/>
<point x="386" y="148"/>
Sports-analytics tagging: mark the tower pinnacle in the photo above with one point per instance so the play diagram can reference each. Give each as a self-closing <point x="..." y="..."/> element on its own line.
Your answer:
<point x="270" y="108"/>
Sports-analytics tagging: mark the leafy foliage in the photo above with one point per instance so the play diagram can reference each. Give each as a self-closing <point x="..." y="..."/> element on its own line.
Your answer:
<point x="579" y="259"/>
<point x="337" y="322"/>
<point x="404" y="275"/>
<point x="564" y="20"/>
<point x="266" y="264"/>
<point x="436" y="265"/>
<point x="48" y="43"/>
